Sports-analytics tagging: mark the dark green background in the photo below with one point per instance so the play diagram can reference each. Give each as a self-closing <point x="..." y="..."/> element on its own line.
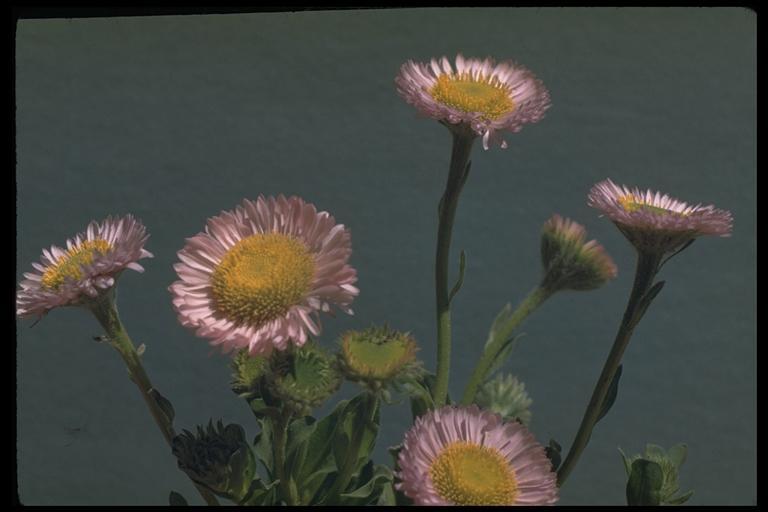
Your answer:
<point x="177" y="118"/>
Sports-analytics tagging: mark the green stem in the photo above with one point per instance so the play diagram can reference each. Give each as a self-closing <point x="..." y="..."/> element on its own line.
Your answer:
<point x="647" y="266"/>
<point x="462" y="147"/>
<point x="367" y="416"/>
<point x="105" y="311"/>
<point x="281" y="441"/>
<point x="532" y="301"/>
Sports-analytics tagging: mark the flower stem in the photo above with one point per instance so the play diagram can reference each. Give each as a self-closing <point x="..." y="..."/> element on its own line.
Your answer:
<point x="367" y="416"/>
<point x="533" y="300"/>
<point x="281" y="440"/>
<point x="457" y="175"/>
<point x="647" y="267"/>
<point x="105" y="311"/>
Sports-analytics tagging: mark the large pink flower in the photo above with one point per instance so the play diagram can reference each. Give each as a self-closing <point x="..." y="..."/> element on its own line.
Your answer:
<point x="258" y="276"/>
<point x="485" y="96"/>
<point x="91" y="263"/>
<point x="466" y="456"/>
<point x="654" y="222"/>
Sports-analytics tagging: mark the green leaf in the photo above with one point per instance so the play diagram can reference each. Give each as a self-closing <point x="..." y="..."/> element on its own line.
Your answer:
<point x="164" y="404"/>
<point x="262" y="447"/>
<point x="260" y="494"/>
<point x="644" y="485"/>
<point x="369" y="493"/>
<point x="646" y="300"/>
<point x="460" y="280"/>
<point x="627" y="462"/>
<point x="504" y="354"/>
<point x="678" y="454"/>
<point x="355" y="421"/>
<point x="177" y="500"/>
<point x="500" y="319"/>
<point x="299" y="432"/>
<point x="553" y="452"/>
<point x="610" y="396"/>
<point x="421" y="396"/>
<point x="680" y="499"/>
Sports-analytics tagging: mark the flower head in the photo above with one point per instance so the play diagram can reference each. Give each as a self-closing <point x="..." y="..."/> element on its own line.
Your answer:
<point x="259" y="275"/>
<point x="377" y="356"/>
<point x="656" y="223"/>
<point x="91" y="263"/>
<point x="249" y="371"/>
<point x="485" y="96"/>
<point x="506" y="395"/>
<point x="570" y="262"/>
<point x="465" y="456"/>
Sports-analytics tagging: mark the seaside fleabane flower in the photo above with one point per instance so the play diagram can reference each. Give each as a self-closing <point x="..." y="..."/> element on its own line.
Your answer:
<point x="258" y="276"/>
<point x="90" y="265"/>
<point x="656" y="223"/>
<point x="482" y="95"/>
<point x="466" y="456"/>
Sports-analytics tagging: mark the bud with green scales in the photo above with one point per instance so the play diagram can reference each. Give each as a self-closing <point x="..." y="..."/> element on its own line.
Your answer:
<point x="218" y="458"/>
<point x="302" y="378"/>
<point x="506" y="395"/>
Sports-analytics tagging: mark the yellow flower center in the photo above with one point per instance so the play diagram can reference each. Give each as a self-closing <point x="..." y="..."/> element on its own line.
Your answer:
<point x="470" y="474"/>
<point x="489" y="96"/>
<point x="261" y="277"/>
<point x="70" y="266"/>
<point x="632" y="203"/>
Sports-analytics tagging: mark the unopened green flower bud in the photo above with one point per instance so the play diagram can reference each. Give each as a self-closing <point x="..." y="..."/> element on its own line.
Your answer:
<point x="377" y="356"/>
<point x="506" y="395"/>
<point x="248" y="373"/>
<point x="303" y="378"/>
<point x="218" y="458"/>
<point x="571" y="263"/>
<point x="669" y="462"/>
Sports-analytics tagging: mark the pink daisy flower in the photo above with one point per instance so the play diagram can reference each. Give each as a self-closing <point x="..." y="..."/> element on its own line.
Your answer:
<point x="485" y="96"/>
<point x="258" y="275"/>
<point x="465" y="456"/>
<point x="657" y="223"/>
<point x="91" y="263"/>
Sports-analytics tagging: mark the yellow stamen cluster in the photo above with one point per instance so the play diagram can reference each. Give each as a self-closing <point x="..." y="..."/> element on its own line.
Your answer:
<point x="470" y="474"/>
<point x="261" y="277"/>
<point x="632" y="203"/>
<point x="488" y="96"/>
<point x="70" y="266"/>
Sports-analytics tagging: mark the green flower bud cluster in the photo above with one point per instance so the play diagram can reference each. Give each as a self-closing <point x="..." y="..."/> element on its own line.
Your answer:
<point x="653" y="476"/>
<point x="505" y="395"/>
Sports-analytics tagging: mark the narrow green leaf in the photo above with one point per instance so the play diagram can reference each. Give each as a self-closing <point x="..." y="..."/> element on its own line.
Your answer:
<point x="680" y="499"/>
<point x="262" y="447"/>
<point x="644" y="485"/>
<point x="164" y="404"/>
<point x="504" y="354"/>
<point x="627" y="462"/>
<point x="553" y="453"/>
<point x="613" y="392"/>
<point x="177" y="500"/>
<point x="500" y="319"/>
<point x="645" y="300"/>
<point x="460" y="280"/>
<point x="369" y="492"/>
